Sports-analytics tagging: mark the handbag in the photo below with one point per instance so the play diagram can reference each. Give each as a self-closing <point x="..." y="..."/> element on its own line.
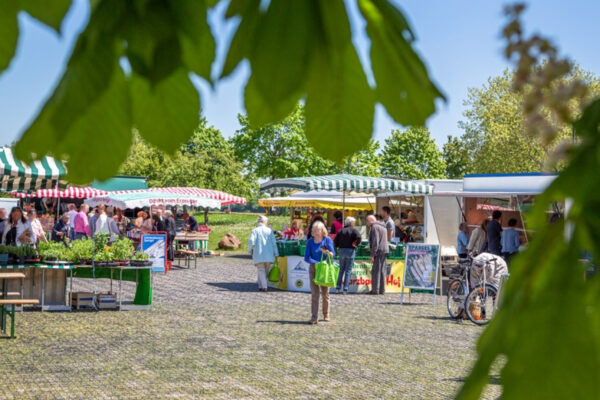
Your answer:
<point x="388" y="269"/>
<point x="326" y="273"/>
<point x="274" y="273"/>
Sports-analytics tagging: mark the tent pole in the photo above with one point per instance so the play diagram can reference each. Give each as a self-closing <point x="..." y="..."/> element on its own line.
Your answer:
<point x="343" y="205"/>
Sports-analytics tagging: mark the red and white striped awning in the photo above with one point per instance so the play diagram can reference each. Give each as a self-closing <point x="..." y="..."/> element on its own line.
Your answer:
<point x="68" y="193"/>
<point x="83" y="192"/>
<point x="224" y="198"/>
<point x="88" y="192"/>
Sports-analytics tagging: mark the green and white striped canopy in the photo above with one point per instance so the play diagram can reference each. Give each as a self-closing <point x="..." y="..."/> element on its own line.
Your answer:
<point x="345" y="182"/>
<point x="20" y="177"/>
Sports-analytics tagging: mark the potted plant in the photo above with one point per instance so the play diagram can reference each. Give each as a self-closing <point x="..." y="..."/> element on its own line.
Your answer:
<point x="29" y="254"/>
<point x="4" y="254"/>
<point x="20" y="253"/>
<point x="81" y="251"/>
<point x="104" y="259"/>
<point x="141" y="259"/>
<point x="53" y="253"/>
<point x="122" y="250"/>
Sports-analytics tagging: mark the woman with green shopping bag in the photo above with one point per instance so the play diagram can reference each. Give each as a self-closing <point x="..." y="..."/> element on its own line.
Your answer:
<point x="318" y="247"/>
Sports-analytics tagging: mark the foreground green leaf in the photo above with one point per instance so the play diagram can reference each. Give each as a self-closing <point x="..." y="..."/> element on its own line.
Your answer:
<point x="339" y="103"/>
<point x="242" y="42"/>
<point x="197" y="42"/>
<point x="9" y="32"/>
<point x="281" y="56"/>
<point x="339" y="87"/>
<point x="259" y="112"/>
<point x="167" y="113"/>
<point x="50" y="12"/>
<point x="403" y="85"/>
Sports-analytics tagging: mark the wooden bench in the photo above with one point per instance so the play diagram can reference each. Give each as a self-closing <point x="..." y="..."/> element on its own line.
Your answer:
<point x="11" y="294"/>
<point x="4" y="303"/>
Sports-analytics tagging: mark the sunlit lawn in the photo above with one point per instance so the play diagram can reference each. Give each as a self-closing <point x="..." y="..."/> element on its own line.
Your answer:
<point x="240" y="225"/>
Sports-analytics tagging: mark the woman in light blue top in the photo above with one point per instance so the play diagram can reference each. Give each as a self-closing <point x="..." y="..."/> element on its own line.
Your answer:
<point x="510" y="240"/>
<point x="263" y="247"/>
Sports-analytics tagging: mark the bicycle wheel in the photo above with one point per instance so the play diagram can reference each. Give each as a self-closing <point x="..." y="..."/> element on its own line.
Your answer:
<point x="480" y="304"/>
<point x="456" y="298"/>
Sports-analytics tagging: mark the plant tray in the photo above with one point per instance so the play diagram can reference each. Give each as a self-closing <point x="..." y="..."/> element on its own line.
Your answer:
<point x="107" y="264"/>
<point x="56" y="262"/>
<point x="137" y="263"/>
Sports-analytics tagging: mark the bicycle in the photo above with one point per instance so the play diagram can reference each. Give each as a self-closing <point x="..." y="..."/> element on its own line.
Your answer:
<point x="457" y="288"/>
<point x="478" y="300"/>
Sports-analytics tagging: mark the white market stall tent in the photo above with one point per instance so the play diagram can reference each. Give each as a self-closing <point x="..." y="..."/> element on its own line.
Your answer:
<point x="473" y="199"/>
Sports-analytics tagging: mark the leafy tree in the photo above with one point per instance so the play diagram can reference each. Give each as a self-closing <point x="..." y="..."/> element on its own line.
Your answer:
<point x="207" y="160"/>
<point x="365" y="162"/>
<point x="145" y="160"/>
<point x="494" y="127"/>
<point x="457" y="158"/>
<point x="278" y="150"/>
<point x="282" y="150"/>
<point x="300" y="50"/>
<point x="412" y="154"/>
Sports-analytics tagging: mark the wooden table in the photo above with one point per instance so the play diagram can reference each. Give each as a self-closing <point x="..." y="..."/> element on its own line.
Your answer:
<point x="5" y="277"/>
<point x="186" y="238"/>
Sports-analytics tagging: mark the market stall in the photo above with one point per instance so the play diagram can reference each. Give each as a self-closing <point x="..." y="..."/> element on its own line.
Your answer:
<point x="471" y="200"/>
<point x="294" y="271"/>
<point x="303" y="205"/>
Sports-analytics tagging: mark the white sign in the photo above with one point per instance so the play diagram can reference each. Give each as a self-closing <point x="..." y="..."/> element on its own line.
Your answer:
<point x="297" y="274"/>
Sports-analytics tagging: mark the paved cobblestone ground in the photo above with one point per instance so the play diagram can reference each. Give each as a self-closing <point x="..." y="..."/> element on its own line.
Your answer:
<point x="212" y="335"/>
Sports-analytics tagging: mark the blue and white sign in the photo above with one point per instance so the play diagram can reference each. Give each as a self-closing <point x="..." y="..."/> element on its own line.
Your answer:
<point x="155" y="245"/>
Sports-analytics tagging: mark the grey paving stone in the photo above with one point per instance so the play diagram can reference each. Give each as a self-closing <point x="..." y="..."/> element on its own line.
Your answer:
<point x="212" y="335"/>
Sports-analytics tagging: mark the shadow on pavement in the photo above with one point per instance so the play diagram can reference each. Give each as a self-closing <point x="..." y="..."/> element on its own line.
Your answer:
<point x="436" y="318"/>
<point x="281" y="322"/>
<point x="239" y="255"/>
<point x="235" y="286"/>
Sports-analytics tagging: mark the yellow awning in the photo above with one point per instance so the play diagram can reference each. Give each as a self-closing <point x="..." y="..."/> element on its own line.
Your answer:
<point x="306" y="203"/>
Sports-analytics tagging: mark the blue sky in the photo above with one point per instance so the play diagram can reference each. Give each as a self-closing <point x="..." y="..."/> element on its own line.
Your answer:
<point x="459" y="40"/>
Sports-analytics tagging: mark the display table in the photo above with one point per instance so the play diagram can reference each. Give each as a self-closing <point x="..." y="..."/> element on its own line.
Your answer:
<point x="48" y="283"/>
<point x="294" y="275"/>
<point x="142" y="276"/>
<point x="183" y="240"/>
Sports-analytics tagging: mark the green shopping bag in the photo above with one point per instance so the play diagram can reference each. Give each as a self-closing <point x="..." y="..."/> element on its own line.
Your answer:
<point x="326" y="273"/>
<point x="274" y="273"/>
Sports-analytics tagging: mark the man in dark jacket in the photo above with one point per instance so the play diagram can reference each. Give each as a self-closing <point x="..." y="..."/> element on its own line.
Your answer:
<point x="170" y="228"/>
<point x="346" y="241"/>
<point x="60" y="232"/>
<point x="379" y="251"/>
<point x="494" y="233"/>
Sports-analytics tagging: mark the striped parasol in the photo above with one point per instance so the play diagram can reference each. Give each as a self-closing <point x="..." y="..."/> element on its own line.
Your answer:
<point x="224" y="198"/>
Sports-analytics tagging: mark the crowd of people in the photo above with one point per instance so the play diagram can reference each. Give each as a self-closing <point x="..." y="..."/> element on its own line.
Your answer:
<point x="489" y="237"/>
<point x="24" y="228"/>
<point x="262" y="246"/>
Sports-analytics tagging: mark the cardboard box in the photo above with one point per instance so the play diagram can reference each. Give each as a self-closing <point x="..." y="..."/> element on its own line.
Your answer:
<point x="82" y="299"/>
<point x="107" y="301"/>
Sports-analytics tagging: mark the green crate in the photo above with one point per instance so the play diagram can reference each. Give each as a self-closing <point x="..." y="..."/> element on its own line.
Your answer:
<point x="301" y="249"/>
<point x="291" y="248"/>
<point x="281" y="249"/>
<point x="398" y="251"/>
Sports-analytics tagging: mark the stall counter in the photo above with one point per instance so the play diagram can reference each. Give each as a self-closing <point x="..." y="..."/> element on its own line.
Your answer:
<point x="294" y="275"/>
